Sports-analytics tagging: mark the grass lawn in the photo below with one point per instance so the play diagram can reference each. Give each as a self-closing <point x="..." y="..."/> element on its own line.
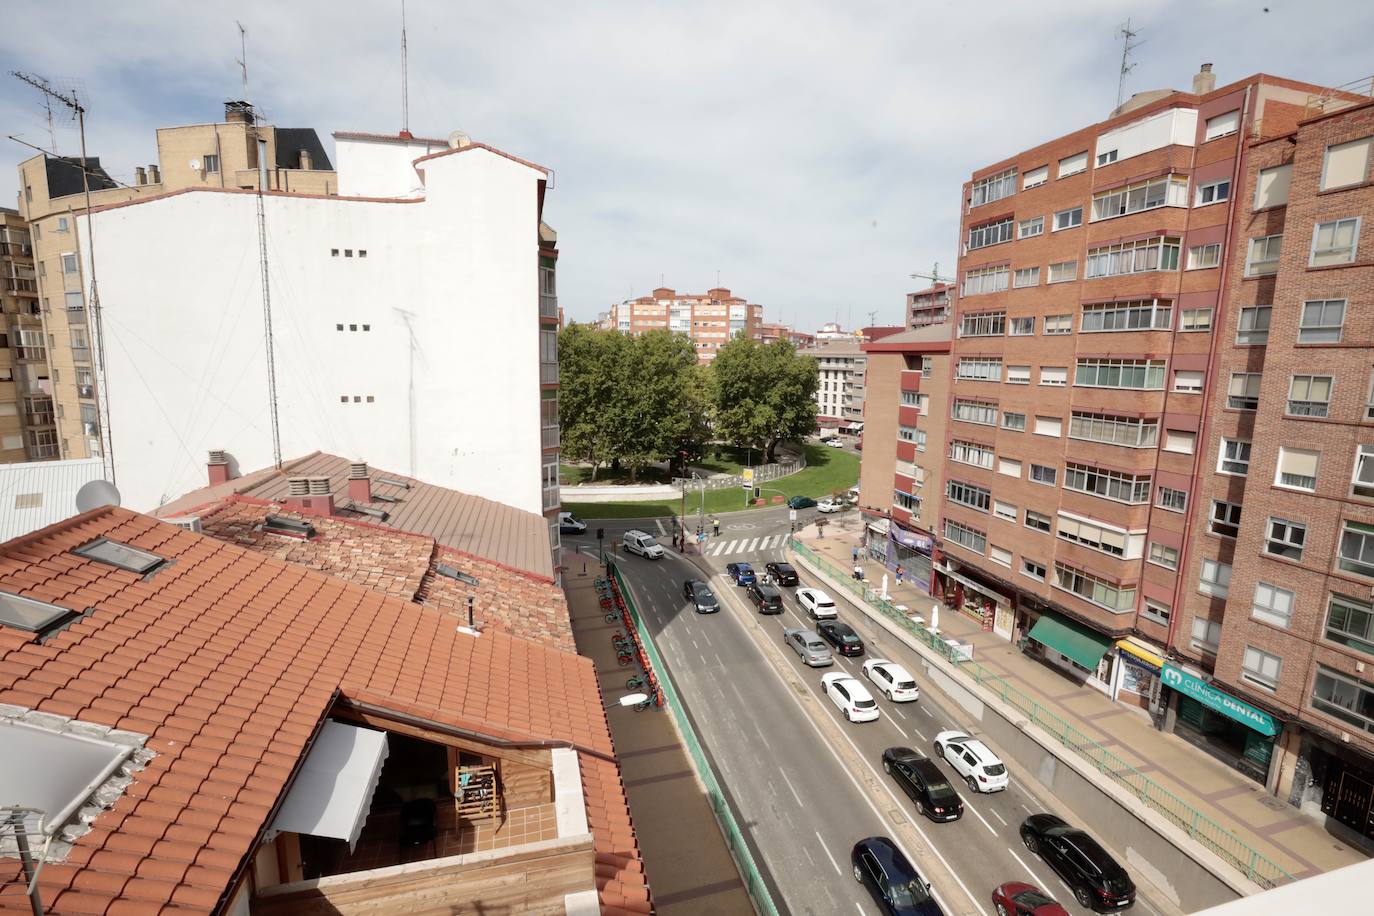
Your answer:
<point x="570" y="475"/>
<point x="827" y="470"/>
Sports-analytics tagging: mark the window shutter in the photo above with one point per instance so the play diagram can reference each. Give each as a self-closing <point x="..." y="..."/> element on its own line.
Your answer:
<point x="1115" y="539"/>
<point x="1070" y="165"/>
<point x="1035" y="177"/>
<point x="1298" y="463"/>
<point x="1068" y="527"/>
<point x="1272" y="187"/>
<point x="1347" y="163"/>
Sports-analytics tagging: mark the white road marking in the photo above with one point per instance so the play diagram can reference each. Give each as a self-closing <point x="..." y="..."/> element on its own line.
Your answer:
<point x="918" y="733"/>
<point x="969" y="807"/>
<point x="899" y="712"/>
<point x="661" y="530"/>
<point x="694" y="644"/>
<point x="703" y="659"/>
<point x="1038" y="882"/>
<point x="1027" y="809"/>
<point x="926" y="711"/>
<point x="791" y="787"/>
<point x="858" y="906"/>
<point x="730" y="548"/>
<point x="993" y="812"/>
<point x="750" y="548"/>
<point x="826" y="850"/>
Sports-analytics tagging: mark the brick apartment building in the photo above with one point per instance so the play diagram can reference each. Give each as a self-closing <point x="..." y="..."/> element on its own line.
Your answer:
<point x="929" y="306"/>
<point x="26" y="409"/>
<point x="711" y="319"/>
<point x="770" y="332"/>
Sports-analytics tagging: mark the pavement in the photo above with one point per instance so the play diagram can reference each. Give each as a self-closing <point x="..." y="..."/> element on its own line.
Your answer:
<point x="686" y="861"/>
<point x="1296" y="842"/>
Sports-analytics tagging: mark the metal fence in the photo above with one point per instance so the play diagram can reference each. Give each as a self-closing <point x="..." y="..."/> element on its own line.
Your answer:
<point x="729" y="828"/>
<point x="762" y="473"/>
<point x="1225" y="843"/>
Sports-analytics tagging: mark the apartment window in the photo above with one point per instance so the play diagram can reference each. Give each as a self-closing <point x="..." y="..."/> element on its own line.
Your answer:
<point x="1068" y="219"/>
<point x="971" y="453"/>
<point x="975" y="411"/>
<point x="979" y="369"/>
<point x="1309" y="395"/>
<point x="1117" y="486"/>
<point x="1225" y="519"/>
<point x="1029" y="228"/>
<point x="1272" y="604"/>
<point x="904" y="500"/>
<point x="1335" y="242"/>
<point x="1058" y="324"/>
<point x="1285" y="539"/>
<point x="909" y="398"/>
<point x="69" y="263"/>
<point x="1072" y="165"/>
<point x="994" y="187"/>
<point x="1171" y="499"/>
<point x="1204" y="256"/>
<point x="1344" y="697"/>
<point x="985" y="280"/>
<point x="1063" y="272"/>
<point x="1094" y="535"/>
<point x="1263" y="257"/>
<point x="989" y="234"/>
<point x="969" y="538"/>
<point x="906" y="433"/>
<point x="1234" y="457"/>
<point x="999" y="555"/>
<point x="1261" y="668"/>
<point x="1188" y="381"/>
<point x="211" y="162"/>
<point x="1038" y="521"/>
<point x="1033" y="569"/>
<point x="1297" y="468"/>
<point x="1180" y="441"/>
<point x="1009" y="466"/>
<point x="1035" y="177"/>
<point x="983" y="324"/>
<point x="1133" y="257"/>
<point x="1132" y="432"/>
<point x="927" y="366"/>
<point x="1271" y="189"/>
<point x="1195" y="320"/>
<point x="920" y="440"/>
<point x="1350" y="622"/>
<point x="1214" y="578"/>
<point x="966" y="494"/>
<point x="1214" y="192"/>
<point x="1362" y="482"/>
<point x="1165" y="191"/>
<point x="1021" y="327"/>
<point x="1026" y="276"/>
<point x="1356" y="553"/>
<point x="1145" y="374"/>
<point x="1156" y="611"/>
<point x="1054" y="376"/>
<point x="1040" y="473"/>
<point x="1222" y="125"/>
<point x="1004" y="511"/>
<point x="1253" y="326"/>
<point x="1346" y="164"/>
<point x="1106" y="157"/>
<point x="1134" y="315"/>
<point x="1049" y="426"/>
<point x="1090" y="588"/>
<point x="1206" y="635"/>
<point x="1014" y="421"/>
<point x="1163" y="555"/>
<point x="1321" y="321"/>
<point x="1243" y="392"/>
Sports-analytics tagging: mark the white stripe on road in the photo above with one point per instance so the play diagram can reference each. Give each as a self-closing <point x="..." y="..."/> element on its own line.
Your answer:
<point x="918" y="732"/>
<point x="826" y="849"/>
<point x="730" y="548"/>
<point x="968" y="805"/>
<point x="752" y="544"/>
<point x="899" y="712"/>
<point x="1026" y="867"/>
<point x="993" y="812"/>
<point x="792" y="788"/>
<point x="661" y="530"/>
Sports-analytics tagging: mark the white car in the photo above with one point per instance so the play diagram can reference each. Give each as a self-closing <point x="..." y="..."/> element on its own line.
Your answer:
<point x="892" y="680"/>
<point x="828" y="505"/>
<point x="817" y="603"/>
<point x="835" y="443"/>
<point x="980" y="767"/>
<point x="850" y="695"/>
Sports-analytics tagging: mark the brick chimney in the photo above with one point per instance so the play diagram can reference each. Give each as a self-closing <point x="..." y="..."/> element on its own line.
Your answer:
<point x="309" y="495"/>
<point x="306" y="163"/>
<point x="1204" y="81"/>
<point x="218" y="467"/>
<point x="359" y="484"/>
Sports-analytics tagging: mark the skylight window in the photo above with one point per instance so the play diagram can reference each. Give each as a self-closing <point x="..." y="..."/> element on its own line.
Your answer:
<point x="113" y="553"/>
<point x="34" y="616"/>
<point x="452" y="572"/>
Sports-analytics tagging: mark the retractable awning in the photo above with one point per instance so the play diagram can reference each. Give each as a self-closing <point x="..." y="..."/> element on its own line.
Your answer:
<point x="333" y="791"/>
<point x="1072" y="639"/>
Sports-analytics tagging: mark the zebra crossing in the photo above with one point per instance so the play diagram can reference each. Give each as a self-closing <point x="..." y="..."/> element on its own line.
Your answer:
<point x="724" y="548"/>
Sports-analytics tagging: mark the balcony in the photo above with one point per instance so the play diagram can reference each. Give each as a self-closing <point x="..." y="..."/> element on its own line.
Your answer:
<point x="29" y="354"/>
<point x="85" y="391"/>
<point x="548" y="373"/>
<point x="552" y="498"/>
<point x="21" y="285"/>
<point x="549" y="437"/>
<point x="911" y="380"/>
<point x="39" y="452"/>
<point x="548" y="306"/>
<point x="81" y="354"/>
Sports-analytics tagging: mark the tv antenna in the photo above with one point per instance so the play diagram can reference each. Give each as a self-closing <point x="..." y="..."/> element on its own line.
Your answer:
<point x="405" y="75"/>
<point x="933" y="276"/>
<point x="242" y="59"/>
<point x="1128" y="45"/>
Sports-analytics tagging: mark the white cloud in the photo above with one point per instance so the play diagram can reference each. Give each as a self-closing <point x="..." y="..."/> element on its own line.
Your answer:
<point x="811" y="151"/>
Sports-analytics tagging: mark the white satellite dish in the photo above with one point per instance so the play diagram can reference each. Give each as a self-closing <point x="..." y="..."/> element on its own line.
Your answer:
<point x="96" y="493"/>
<point x="194" y="164"/>
<point x="458" y="139"/>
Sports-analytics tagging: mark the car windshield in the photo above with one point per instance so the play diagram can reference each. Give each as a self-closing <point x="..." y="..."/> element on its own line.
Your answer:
<point x="848" y="639"/>
<point x="821" y="602"/>
<point x="994" y="769"/>
<point x="909" y="893"/>
<point x="864" y="704"/>
<point x="1032" y="899"/>
<point x="816" y="646"/>
<point x="704" y="593"/>
<point x="906" y="685"/>
<point x="940" y="790"/>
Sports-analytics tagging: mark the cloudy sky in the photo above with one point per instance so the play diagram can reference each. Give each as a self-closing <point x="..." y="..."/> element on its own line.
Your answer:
<point x="811" y="152"/>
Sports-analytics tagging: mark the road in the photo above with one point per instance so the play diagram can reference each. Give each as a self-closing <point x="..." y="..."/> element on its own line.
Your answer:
<point x="798" y="802"/>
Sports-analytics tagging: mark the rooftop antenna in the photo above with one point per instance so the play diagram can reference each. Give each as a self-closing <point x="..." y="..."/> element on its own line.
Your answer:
<point x="242" y="59"/>
<point x="717" y="278"/>
<point x="1127" y="46"/>
<point x="267" y="303"/>
<point x="873" y="318"/>
<point x="405" y="76"/>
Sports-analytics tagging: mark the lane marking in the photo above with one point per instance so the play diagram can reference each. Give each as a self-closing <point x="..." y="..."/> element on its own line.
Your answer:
<point x="858" y="906"/>
<point x="826" y="850"/>
<point x="661" y="530"/>
<point x="783" y="773"/>
<point x="898" y="711"/>
<point x="750" y="548"/>
<point x="694" y="644"/>
<point x="993" y="812"/>
<point x="1038" y="882"/>
<point x="918" y="732"/>
<point x="980" y="817"/>
<point x="927" y="712"/>
<point x="1024" y="806"/>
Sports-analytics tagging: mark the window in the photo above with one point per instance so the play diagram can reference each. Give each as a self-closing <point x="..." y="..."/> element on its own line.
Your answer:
<point x="1026" y="276"/>
<point x="1167" y="190"/>
<point x="1272" y="604"/>
<point x="1133" y="257"/>
<point x="1214" y="192"/>
<point x="994" y="187"/>
<point x="909" y="398"/>
<point x="1356" y="553"/>
<point x="1350" y="622"/>
<point x="1021" y="327"/>
<point x="1297" y="469"/>
<point x="1271" y="189"/>
<point x="1234" y="457"/>
<point x="1072" y="165"/>
<point x="69" y="263"/>
<point x="971" y="453"/>
<point x="1253" y="326"/>
<point x="985" y="280"/>
<point x="1261" y="668"/>
<point x="1014" y="421"/>
<point x="1346" y="164"/>
<point x="1132" y="432"/>
<point x="999" y="555"/>
<point x="1107" y="157"/>
<point x="989" y="234"/>
<point x="1225" y="519"/>
<point x="1038" y="521"/>
<point x="1054" y="376"/>
<point x="1321" y="321"/>
<point x="1004" y="511"/>
<point x="1243" y="393"/>
<point x="979" y="369"/>
<point x="1171" y="499"/>
<point x="1222" y="125"/>
<point x="975" y="411"/>
<point x="1068" y="219"/>
<point x="966" y="494"/>
<point x="1264" y="255"/>
<point x="1285" y="538"/>
<point x="1206" y="635"/>
<point x="1035" y="177"/>
<point x="1063" y="272"/>
<point x="1188" y="381"/>
<point x="1344" y="697"/>
<point x="983" y="324"/>
<point x="1095" y="535"/>
<point x="1058" y="324"/>
<point x="1156" y="611"/>
<point x="1335" y="242"/>
<point x="1195" y="320"/>
<point x="1133" y="315"/>
<point x="1146" y="374"/>
<point x="1041" y="473"/>
<point x="1029" y="228"/>
<point x="1090" y="588"/>
<point x="1362" y="482"/>
<point x="1309" y="395"/>
<point x="1009" y="466"/>
<point x="1214" y="578"/>
<point x="211" y="162"/>
<point x="63" y="225"/>
<point x="1203" y="256"/>
<point x="906" y="501"/>
<point x="1033" y="569"/>
<point x="1049" y="426"/>
<point x="906" y="433"/>
<point x="1118" y="486"/>
<point x="1163" y="555"/>
<point x="927" y="366"/>
<point x="968" y="538"/>
<point x="1181" y="441"/>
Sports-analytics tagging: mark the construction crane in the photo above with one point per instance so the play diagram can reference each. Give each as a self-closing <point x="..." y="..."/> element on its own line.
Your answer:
<point x="933" y="276"/>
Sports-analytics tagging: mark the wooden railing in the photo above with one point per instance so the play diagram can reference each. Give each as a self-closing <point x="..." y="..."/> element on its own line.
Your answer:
<point x="478" y="793"/>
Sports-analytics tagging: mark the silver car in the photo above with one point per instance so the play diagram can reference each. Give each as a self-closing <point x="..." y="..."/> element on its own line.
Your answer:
<point x="810" y="647"/>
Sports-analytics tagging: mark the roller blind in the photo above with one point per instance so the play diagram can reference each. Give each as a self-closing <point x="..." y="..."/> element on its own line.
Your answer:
<point x="1071" y="165"/>
<point x="1009" y="467"/>
<point x="1346" y="163"/>
<point x="1298" y="463"/>
<point x="1115" y="539"/>
<point x="1049" y="426"/>
<point x="1223" y="124"/>
<point x="1272" y="188"/>
<point x="1068" y="527"/>
<point x="1035" y="177"/>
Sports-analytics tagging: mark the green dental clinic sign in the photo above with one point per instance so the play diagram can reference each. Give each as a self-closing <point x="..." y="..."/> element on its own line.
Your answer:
<point x="1222" y="702"/>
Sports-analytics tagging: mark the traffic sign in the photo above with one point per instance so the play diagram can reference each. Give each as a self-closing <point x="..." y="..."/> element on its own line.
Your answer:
<point x="791" y="515"/>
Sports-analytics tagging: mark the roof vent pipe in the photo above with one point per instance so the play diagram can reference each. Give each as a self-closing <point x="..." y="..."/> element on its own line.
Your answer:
<point x="319" y="486"/>
<point x="1204" y="81"/>
<point x="298" y="486"/>
<point x="305" y="160"/>
<point x="154" y="177"/>
<point x="140" y="175"/>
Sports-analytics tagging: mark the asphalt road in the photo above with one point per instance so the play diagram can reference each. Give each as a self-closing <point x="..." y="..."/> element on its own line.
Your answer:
<point x="801" y="807"/>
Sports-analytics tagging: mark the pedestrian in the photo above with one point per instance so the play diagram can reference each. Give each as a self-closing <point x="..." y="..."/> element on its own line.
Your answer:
<point x="858" y="572"/>
<point x="715" y="525"/>
<point x="855" y="554"/>
<point x="901" y="571"/>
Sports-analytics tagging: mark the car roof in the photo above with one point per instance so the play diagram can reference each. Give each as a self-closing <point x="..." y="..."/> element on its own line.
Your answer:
<point x="766" y="589"/>
<point x="782" y="565"/>
<point x="695" y="582"/>
<point x="838" y="626"/>
<point x="894" y="864"/>
<point x="741" y="566"/>
<point x="636" y="531"/>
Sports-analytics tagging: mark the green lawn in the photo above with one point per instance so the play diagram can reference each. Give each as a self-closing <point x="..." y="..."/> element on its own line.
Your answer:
<point x="730" y="461"/>
<point x="827" y="470"/>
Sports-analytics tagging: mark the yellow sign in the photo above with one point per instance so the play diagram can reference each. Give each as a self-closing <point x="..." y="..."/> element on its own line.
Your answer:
<point x="748" y="476"/>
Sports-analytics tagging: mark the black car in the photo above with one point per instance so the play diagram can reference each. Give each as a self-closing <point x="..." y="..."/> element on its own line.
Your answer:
<point x="923" y="781"/>
<point x="801" y="502"/>
<point x="765" y="597"/>
<point x="1095" y="878"/>
<point x="740" y="573"/>
<point x="701" y="596"/>
<point x="782" y="573"/>
<point x="897" y="887"/>
<point x="842" y="637"/>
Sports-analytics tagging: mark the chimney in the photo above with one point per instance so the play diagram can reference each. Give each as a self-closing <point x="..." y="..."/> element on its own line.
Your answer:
<point x="309" y="495"/>
<point x="140" y="176"/>
<point x="241" y="112"/>
<point x="305" y="160"/>
<point x="218" y="467"/>
<point x="359" y="484"/>
<point x="153" y="176"/>
<point x="1205" y="80"/>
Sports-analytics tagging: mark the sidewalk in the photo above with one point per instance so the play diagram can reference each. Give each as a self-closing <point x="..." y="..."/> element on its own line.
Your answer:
<point x="1294" y="841"/>
<point x="686" y="862"/>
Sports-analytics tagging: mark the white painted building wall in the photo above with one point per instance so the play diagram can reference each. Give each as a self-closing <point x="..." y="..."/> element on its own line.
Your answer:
<point x="1172" y="127"/>
<point x="449" y="290"/>
<point x="380" y="168"/>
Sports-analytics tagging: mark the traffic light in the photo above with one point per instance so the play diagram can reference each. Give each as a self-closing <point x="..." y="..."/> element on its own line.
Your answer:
<point x="600" y="534"/>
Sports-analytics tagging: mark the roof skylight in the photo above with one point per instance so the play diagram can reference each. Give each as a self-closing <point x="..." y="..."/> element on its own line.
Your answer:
<point x="34" y="616"/>
<point x="113" y="553"/>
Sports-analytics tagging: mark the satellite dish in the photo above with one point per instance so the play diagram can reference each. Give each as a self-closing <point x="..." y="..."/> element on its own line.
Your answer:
<point x="96" y="493"/>
<point x="194" y="164"/>
<point x="457" y="140"/>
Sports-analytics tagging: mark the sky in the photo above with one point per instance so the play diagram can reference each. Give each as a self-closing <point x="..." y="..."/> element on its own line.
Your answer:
<point x="810" y="152"/>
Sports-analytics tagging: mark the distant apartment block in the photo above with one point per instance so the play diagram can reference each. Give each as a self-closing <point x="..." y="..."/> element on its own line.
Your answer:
<point x="711" y="319"/>
<point x="769" y="332"/>
<point x="929" y="306"/>
<point x="27" y="421"/>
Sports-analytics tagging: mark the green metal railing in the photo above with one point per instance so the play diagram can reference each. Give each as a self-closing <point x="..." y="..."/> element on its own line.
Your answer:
<point x="729" y="828"/>
<point x="1225" y="843"/>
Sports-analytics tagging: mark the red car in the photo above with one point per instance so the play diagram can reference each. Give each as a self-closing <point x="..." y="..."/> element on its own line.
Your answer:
<point x="1016" y="898"/>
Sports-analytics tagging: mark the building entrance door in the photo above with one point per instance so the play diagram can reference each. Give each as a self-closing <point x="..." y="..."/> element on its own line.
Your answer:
<point x="1349" y="798"/>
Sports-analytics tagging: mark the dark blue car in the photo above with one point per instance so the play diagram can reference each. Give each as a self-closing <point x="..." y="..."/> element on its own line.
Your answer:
<point x="741" y="573"/>
<point x="897" y="887"/>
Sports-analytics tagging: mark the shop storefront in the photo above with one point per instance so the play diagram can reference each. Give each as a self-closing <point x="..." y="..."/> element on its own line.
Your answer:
<point x="1137" y="674"/>
<point x="876" y="543"/>
<point x="911" y="550"/>
<point x="1228" y="728"/>
<point x="1074" y="649"/>
<point x="968" y="596"/>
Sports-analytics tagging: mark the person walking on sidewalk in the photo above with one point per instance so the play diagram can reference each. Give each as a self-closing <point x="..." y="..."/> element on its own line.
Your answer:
<point x="855" y="555"/>
<point x="715" y="526"/>
<point x="901" y="571"/>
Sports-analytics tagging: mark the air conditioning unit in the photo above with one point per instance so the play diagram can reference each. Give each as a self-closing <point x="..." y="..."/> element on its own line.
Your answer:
<point x="189" y="522"/>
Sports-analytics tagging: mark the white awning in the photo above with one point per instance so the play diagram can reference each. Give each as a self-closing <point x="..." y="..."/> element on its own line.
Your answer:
<point x="333" y="791"/>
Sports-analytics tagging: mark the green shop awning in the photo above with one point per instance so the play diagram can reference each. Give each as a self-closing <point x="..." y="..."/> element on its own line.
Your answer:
<point x="1068" y="637"/>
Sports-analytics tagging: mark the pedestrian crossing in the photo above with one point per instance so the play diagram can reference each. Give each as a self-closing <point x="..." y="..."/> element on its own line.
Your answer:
<point x="724" y="548"/>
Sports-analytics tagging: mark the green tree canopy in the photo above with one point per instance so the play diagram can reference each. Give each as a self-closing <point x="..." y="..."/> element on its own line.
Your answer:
<point x="765" y="393"/>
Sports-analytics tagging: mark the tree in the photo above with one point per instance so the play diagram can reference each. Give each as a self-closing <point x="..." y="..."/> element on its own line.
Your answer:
<point x="585" y="390"/>
<point x="765" y="393"/>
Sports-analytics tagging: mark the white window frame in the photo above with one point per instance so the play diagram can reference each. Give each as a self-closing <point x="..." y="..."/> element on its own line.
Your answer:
<point x="1054" y="376"/>
<point x="1272" y="248"/>
<point x="1209" y="639"/>
<point x="1194" y="320"/>
<point x="1018" y="375"/>
<point x="1004" y="510"/>
<point x="1005" y="466"/>
<point x="1210" y="583"/>
<point x="1021" y="326"/>
<point x="1243" y="400"/>
<point x="1252" y="325"/>
<point x="1284" y="538"/>
<point x="1362" y="562"/>
<point x="1057" y="324"/>
<point x="1156" y="611"/>
<point x="1030" y="228"/>
<point x="1180" y="441"/>
<point x="1324" y="253"/>
<point x="1043" y="425"/>
<point x="1364" y="458"/>
<point x="1323" y="332"/>
<point x="1261" y="668"/>
<point x="1227" y="123"/>
<point x="1062" y="272"/>
<point x="1035" y="177"/>
<point x="1221" y="192"/>
<point x="1273" y="605"/>
<point x="1165" y="499"/>
<point x="1302" y="485"/>
<point x="1073" y="169"/>
<point x="1203" y="257"/>
<point x="1072" y="219"/>
<point x="1308" y="405"/>
<point x="1029" y="567"/>
<point x="1014" y="421"/>
<point x="1025" y="278"/>
<point x="1223" y="517"/>
<point x="1125" y="315"/>
<point x="1163" y="555"/>
<point x="1191" y="387"/>
<point x="1233" y="457"/>
<point x="1367" y="142"/>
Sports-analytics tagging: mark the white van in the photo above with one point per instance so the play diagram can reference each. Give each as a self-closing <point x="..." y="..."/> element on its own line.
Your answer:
<point x="643" y="544"/>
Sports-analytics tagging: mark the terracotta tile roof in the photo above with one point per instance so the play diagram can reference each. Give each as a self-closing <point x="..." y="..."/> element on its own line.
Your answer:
<point x="229" y="659"/>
